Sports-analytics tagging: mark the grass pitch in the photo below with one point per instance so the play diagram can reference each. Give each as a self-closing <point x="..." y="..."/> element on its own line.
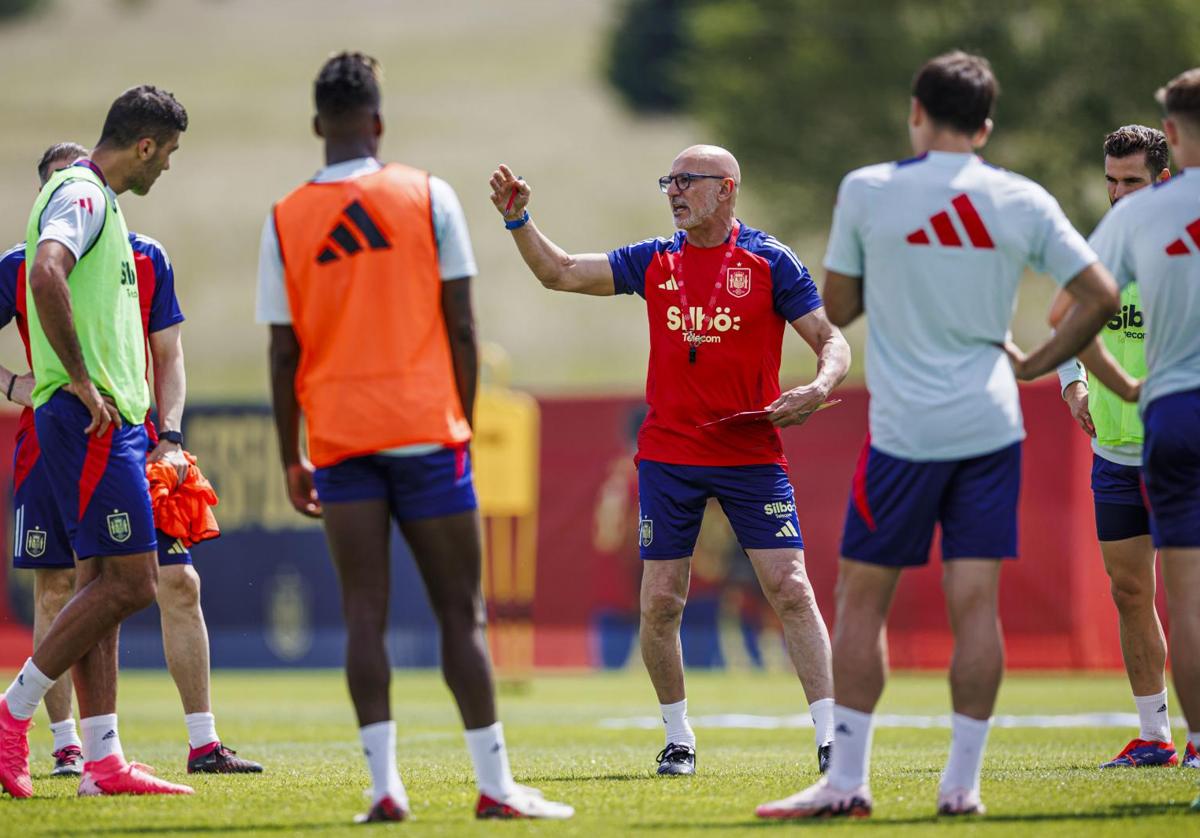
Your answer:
<point x="299" y="724"/>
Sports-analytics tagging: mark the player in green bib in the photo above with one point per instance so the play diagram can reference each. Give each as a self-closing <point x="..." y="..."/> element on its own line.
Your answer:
<point x="1134" y="157"/>
<point x="88" y="355"/>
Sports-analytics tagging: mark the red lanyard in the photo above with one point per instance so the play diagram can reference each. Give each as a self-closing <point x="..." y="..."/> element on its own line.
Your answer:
<point x="691" y="332"/>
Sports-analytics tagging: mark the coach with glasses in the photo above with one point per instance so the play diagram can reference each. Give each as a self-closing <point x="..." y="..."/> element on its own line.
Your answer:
<point x="718" y="295"/>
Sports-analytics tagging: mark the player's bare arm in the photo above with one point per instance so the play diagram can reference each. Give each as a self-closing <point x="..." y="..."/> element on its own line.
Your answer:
<point x="833" y="362"/>
<point x="585" y="273"/>
<point x="464" y="348"/>
<point x="170" y="393"/>
<point x="843" y="298"/>
<point x="285" y="359"/>
<point x="1095" y="300"/>
<point x="1096" y="357"/>
<point x="52" y="297"/>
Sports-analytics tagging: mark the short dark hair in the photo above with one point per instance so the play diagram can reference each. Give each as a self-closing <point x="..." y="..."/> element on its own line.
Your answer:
<point x="1180" y="96"/>
<point x="1131" y="139"/>
<point x="143" y="111"/>
<point x="957" y="90"/>
<point x="348" y="81"/>
<point x="57" y="152"/>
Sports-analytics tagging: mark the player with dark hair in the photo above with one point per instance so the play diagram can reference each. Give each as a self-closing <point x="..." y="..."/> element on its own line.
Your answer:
<point x="90" y="398"/>
<point x="933" y="248"/>
<point x="1153" y="238"/>
<point x="40" y="541"/>
<point x="1135" y="157"/>
<point x="719" y="296"/>
<point x="365" y="279"/>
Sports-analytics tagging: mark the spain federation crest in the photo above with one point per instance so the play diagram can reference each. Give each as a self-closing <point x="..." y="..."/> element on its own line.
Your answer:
<point x="118" y="526"/>
<point x="646" y="532"/>
<point x="737" y="282"/>
<point x="35" y="542"/>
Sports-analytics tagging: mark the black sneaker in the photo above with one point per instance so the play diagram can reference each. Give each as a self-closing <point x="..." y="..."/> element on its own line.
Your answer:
<point x="68" y="761"/>
<point x="217" y="759"/>
<point x="676" y="759"/>
<point x="824" y="755"/>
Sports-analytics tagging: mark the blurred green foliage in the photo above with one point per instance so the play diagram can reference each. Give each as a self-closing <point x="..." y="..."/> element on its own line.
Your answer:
<point x="805" y="90"/>
<point x="16" y="8"/>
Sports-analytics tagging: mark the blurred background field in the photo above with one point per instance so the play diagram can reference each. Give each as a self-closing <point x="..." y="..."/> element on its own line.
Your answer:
<point x="571" y="93"/>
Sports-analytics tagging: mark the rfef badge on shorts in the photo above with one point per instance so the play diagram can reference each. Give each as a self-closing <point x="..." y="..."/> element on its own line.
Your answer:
<point x="118" y="526"/>
<point x="645" y="532"/>
<point x="35" y="543"/>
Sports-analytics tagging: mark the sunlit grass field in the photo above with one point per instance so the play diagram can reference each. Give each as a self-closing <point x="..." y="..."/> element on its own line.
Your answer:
<point x="299" y="724"/>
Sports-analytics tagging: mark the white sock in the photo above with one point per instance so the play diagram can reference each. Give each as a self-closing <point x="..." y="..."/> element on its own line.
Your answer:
<point x="379" y="747"/>
<point x="490" y="758"/>
<point x="201" y="728"/>
<point x="26" y="691"/>
<point x="674" y="716"/>
<point x="822" y="716"/>
<point x="851" y="763"/>
<point x="968" y="740"/>
<point x="1152" y="712"/>
<point x="100" y="737"/>
<point x="64" y="734"/>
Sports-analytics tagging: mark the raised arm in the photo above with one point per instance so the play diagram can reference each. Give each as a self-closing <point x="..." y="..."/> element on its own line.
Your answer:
<point x="52" y="265"/>
<point x="584" y="273"/>
<point x="833" y="362"/>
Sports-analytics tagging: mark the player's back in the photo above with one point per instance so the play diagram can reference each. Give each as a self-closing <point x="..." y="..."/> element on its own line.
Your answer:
<point x="943" y="240"/>
<point x="1153" y="238"/>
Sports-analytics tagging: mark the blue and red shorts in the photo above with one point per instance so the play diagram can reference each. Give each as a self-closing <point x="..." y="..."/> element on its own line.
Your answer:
<point x="98" y="483"/>
<point x="757" y="500"/>
<point x="896" y="503"/>
<point x="1121" y="510"/>
<point x="421" y="486"/>
<point x="1171" y="467"/>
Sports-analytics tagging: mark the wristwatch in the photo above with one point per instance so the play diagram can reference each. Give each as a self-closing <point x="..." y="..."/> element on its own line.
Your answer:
<point x="172" y="436"/>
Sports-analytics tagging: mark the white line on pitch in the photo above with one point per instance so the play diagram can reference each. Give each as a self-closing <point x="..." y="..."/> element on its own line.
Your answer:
<point x="742" y="721"/>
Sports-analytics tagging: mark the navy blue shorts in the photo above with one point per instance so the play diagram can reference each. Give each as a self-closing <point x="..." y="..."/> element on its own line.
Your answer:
<point x="757" y="500"/>
<point x="1121" y="511"/>
<point x="425" y="486"/>
<point x="98" y="483"/>
<point x="1171" y="467"/>
<point x="895" y="504"/>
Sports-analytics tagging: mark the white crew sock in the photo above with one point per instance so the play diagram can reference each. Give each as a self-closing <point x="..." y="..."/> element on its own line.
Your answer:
<point x="26" y="691"/>
<point x="1152" y="713"/>
<point x="100" y="737"/>
<point x="490" y="758"/>
<point x="674" y="716"/>
<point x="64" y="734"/>
<point x="851" y="763"/>
<point x="822" y="716"/>
<point x="379" y="747"/>
<point x="201" y="728"/>
<point x="968" y="740"/>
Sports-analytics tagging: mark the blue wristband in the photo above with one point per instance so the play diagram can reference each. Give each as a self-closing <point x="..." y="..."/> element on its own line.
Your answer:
<point x="517" y="223"/>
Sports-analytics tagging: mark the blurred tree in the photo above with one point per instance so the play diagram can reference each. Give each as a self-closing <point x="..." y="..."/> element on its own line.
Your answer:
<point x="643" y="53"/>
<point x="804" y="90"/>
<point x="10" y="9"/>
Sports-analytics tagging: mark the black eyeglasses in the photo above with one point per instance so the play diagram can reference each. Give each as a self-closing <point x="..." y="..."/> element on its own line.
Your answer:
<point x="683" y="180"/>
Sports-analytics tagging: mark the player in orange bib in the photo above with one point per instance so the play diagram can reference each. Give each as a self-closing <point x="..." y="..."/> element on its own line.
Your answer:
<point x="365" y="279"/>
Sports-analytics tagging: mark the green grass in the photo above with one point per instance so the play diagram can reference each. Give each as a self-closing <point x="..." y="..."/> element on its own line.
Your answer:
<point x="300" y="726"/>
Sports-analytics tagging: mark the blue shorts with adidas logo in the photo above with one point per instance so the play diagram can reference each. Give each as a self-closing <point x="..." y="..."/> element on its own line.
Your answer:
<point x="1171" y="465"/>
<point x="757" y="500"/>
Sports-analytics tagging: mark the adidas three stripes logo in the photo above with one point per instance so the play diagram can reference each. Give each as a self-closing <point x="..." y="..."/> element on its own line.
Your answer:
<point x="947" y="233"/>
<point x="341" y="238"/>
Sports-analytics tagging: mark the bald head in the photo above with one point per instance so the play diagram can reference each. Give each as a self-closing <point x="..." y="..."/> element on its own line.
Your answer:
<point x="709" y="160"/>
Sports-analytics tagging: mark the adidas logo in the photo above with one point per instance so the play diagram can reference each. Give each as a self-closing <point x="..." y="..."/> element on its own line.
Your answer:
<point x="1162" y="709"/>
<point x="21" y="680"/>
<point x="176" y="549"/>
<point x="670" y="285"/>
<point x="346" y="241"/>
<point x="842" y="730"/>
<point x="788" y="531"/>
<point x="1180" y="246"/>
<point x="112" y="734"/>
<point x="498" y="747"/>
<point x="948" y="234"/>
